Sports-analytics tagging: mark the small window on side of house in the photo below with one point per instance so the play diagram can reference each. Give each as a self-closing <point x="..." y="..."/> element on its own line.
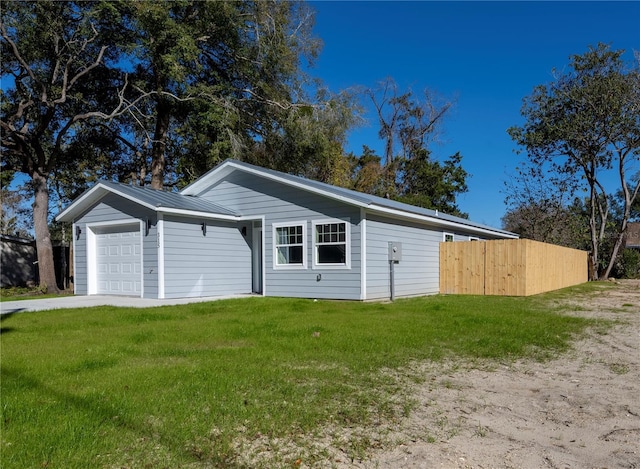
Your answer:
<point x="331" y="244"/>
<point x="447" y="237"/>
<point x="289" y="245"/>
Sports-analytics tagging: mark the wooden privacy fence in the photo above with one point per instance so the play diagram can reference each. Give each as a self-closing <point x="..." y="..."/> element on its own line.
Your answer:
<point x="512" y="267"/>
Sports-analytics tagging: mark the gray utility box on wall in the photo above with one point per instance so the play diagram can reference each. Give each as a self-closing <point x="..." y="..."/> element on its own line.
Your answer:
<point x="395" y="251"/>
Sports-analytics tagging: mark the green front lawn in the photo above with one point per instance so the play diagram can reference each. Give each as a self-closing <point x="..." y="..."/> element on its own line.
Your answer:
<point x="188" y="386"/>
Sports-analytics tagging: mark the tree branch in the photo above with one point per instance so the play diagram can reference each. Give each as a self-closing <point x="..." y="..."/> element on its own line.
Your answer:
<point x="18" y="56"/>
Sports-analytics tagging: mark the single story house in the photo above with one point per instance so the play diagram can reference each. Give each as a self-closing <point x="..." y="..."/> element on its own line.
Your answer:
<point x="243" y="229"/>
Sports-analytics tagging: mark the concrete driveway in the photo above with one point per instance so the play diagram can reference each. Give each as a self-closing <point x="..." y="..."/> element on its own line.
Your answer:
<point x="70" y="301"/>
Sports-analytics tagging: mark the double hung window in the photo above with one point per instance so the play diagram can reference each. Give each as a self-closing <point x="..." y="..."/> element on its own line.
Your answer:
<point x="289" y="245"/>
<point x="331" y="243"/>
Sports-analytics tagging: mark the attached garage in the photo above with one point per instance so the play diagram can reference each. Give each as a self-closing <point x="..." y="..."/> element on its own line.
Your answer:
<point x="117" y="268"/>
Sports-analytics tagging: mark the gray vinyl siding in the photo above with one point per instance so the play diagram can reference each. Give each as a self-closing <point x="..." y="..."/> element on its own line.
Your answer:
<point x="80" y="281"/>
<point x="112" y="208"/>
<point x="418" y="271"/>
<point x="218" y="263"/>
<point x="254" y="196"/>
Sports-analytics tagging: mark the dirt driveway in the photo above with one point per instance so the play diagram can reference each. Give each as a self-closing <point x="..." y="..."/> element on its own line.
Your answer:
<point x="581" y="410"/>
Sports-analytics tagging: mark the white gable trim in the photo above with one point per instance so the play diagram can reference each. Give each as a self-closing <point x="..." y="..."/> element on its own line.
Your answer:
<point x="97" y="192"/>
<point x="217" y="174"/>
<point x="224" y="169"/>
<point x="91" y="197"/>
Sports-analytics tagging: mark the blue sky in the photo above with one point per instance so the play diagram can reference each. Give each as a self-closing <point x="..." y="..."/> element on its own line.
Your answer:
<point x="486" y="56"/>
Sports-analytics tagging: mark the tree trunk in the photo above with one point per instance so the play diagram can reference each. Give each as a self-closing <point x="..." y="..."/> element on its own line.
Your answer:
<point x="614" y="253"/>
<point x="594" y="258"/>
<point x="159" y="145"/>
<point x="46" y="266"/>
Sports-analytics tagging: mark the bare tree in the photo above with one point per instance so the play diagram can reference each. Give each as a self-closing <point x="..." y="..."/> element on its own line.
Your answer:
<point x="408" y="124"/>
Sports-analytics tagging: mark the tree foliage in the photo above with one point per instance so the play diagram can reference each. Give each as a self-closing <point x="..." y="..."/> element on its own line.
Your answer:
<point x="431" y="184"/>
<point x="55" y="53"/>
<point x="158" y="93"/>
<point x="407" y="171"/>
<point x="227" y="77"/>
<point x="542" y="206"/>
<point x="579" y="126"/>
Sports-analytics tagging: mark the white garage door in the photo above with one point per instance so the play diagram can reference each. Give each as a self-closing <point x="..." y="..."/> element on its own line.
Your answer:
<point x="119" y="261"/>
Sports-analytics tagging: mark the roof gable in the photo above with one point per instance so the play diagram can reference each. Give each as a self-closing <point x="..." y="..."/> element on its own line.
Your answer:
<point x="188" y="202"/>
<point x="156" y="200"/>
<point x="367" y="201"/>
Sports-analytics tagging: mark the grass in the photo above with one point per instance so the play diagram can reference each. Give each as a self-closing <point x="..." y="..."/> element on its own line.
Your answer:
<point x="27" y="293"/>
<point x="199" y="385"/>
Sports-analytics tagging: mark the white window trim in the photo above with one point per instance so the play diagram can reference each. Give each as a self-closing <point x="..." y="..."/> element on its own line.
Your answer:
<point x="160" y="248"/>
<point x="363" y="255"/>
<point x="347" y="231"/>
<point x="444" y="237"/>
<point x="277" y="266"/>
<point x="474" y="238"/>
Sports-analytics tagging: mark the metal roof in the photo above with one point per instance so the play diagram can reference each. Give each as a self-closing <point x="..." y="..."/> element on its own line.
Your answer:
<point x="357" y="198"/>
<point x="156" y="200"/>
<point x="188" y="201"/>
<point x="170" y="200"/>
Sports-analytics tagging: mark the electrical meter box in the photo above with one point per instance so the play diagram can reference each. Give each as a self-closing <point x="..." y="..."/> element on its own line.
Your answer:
<point x="395" y="251"/>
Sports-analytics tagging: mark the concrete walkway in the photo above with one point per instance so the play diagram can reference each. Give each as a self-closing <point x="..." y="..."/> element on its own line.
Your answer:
<point x="70" y="301"/>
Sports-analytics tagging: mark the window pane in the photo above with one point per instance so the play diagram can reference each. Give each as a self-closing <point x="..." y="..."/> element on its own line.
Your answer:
<point x="332" y="254"/>
<point x="289" y="245"/>
<point x="330" y="243"/>
<point x="283" y="256"/>
<point x="295" y="255"/>
<point x="289" y="255"/>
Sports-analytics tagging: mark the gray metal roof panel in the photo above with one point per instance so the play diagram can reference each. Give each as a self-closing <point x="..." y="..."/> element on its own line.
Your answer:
<point x="170" y="200"/>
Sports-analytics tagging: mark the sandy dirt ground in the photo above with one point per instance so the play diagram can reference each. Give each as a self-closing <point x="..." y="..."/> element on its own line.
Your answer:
<point x="581" y="410"/>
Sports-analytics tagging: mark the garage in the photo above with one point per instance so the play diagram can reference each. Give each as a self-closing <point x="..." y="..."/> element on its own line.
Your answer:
<point x="118" y="260"/>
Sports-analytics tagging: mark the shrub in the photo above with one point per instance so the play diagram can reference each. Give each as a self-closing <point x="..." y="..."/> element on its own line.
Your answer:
<point x="628" y="264"/>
